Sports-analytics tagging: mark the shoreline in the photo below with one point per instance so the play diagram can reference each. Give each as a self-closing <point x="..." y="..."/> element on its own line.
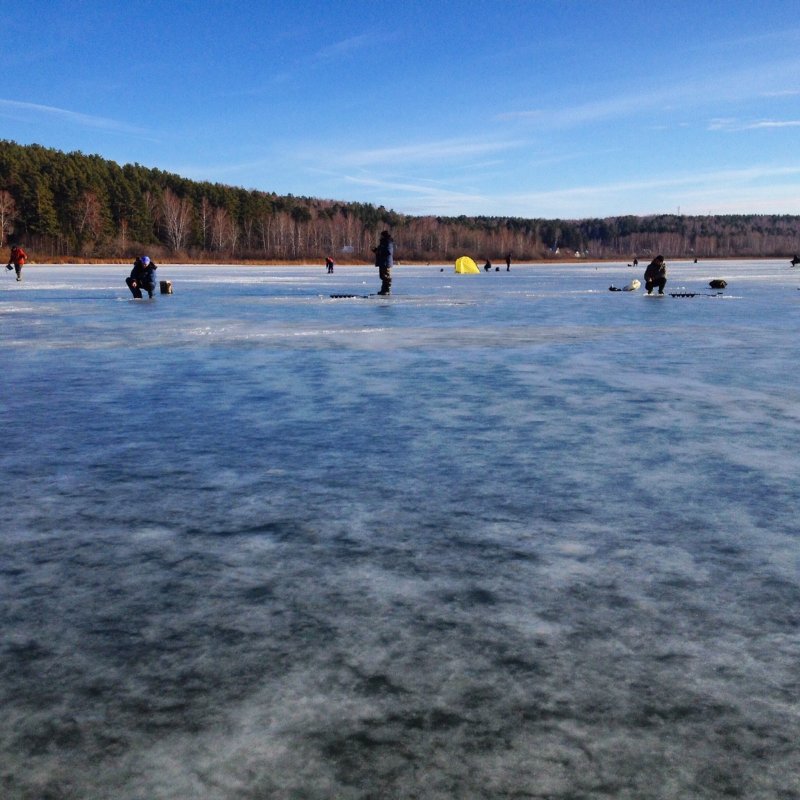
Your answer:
<point x="91" y="262"/>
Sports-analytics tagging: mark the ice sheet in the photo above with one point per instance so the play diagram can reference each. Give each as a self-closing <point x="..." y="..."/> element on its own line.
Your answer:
<point x="503" y="535"/>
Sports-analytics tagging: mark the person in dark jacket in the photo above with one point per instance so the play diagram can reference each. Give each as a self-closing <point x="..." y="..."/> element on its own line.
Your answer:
<point x="142" y="277"/>
<point x="384" y="261"/>
<point x="16" y="260"/>
<point x="655" y="275"/>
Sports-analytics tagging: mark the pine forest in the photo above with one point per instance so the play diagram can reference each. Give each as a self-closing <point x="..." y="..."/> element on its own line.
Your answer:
<point x="63" y="206"/>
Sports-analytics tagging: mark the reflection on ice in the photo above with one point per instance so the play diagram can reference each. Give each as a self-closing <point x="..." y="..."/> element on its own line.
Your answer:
<point x="505" y="535"/>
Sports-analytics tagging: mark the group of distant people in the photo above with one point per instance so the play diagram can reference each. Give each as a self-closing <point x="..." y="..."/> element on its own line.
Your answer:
<point x="384" y="260"/>
<point x="655" y="275"/>
<point x="143" y="279"/>
<point x="143" y="274"/>
<point x="487" y="267"/>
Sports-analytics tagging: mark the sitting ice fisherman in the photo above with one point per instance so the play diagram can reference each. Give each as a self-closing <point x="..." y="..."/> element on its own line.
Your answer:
<point x="142" y="277"/>
<point x="656" y="275"/>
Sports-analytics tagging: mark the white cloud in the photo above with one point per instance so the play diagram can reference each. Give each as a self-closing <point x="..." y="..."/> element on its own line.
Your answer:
<point x="428" y="190"/>
<point x="723" y="124"/>
<point x="728" y="177"/>
<point x="774" y="123"/>
<point x="582" y="112"/>
<point x="756" y="189"/>
<point x="733" y="124"/>
<point x="681" y="94"/>
<point x="19" y="109"/>
<point x="423" y="152"/>
<point x="345" y="47"/>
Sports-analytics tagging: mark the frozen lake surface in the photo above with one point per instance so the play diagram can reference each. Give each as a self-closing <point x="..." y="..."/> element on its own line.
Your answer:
<point x="506" y="535"/>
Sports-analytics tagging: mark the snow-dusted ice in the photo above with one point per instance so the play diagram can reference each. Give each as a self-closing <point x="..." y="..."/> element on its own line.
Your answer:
<point x="503" y="535"/>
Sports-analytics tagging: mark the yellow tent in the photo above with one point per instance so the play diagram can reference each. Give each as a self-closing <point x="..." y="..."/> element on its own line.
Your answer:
<point x="466" y="266"/>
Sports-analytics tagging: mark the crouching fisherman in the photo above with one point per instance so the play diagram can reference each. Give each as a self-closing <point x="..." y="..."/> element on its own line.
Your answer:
<point x="16" y="260"/>
<point x="142" y="277"/>
<point x="655" y="275"/>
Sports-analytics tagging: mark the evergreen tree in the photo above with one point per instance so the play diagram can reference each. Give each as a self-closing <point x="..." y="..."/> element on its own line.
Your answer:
<point x="71" y="203"/>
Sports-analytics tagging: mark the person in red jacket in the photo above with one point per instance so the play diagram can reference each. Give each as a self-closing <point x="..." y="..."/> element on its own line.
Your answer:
<point x="16" y="260"/>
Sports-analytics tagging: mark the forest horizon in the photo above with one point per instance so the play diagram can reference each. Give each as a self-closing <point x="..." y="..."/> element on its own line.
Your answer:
<point x="65" y="206"/>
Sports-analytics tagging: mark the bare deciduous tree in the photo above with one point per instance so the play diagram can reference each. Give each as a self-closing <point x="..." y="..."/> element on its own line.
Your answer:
<point x="176" y="213"/>
<point x="205" y="216"/>
<point x="224" y="231"/>
<point x="89" y="215"/>
<point x="265" y="229"/>
<point x="123" y="235"/>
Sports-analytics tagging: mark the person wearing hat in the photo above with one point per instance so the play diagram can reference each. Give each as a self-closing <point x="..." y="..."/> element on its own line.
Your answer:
<point x="384" y="261"/>
<point x="16" y="260"/>
<point x="655" y="275"/>
<point x="142" y="277"/>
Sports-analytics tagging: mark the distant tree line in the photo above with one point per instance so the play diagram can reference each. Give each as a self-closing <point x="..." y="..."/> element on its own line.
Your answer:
<point x="62" y="205"/>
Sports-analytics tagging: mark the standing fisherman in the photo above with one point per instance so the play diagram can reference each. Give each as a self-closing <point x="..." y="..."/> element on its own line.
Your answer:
<point x="16" y="260"/>
<point x="384" y="261"/>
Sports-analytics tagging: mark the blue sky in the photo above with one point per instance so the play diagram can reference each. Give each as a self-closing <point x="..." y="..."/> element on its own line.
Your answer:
<point x="542" y="108"/>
